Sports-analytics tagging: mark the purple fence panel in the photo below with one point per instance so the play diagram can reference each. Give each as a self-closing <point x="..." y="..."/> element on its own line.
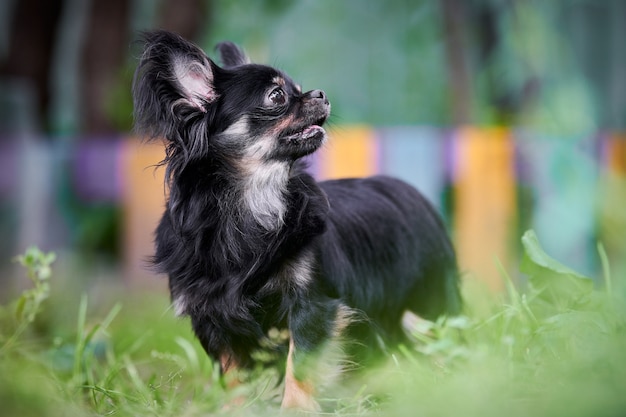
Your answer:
<point x="97" y="170"/>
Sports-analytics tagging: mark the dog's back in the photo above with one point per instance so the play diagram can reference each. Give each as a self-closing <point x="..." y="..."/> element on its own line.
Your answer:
<point x="385" y="252"/>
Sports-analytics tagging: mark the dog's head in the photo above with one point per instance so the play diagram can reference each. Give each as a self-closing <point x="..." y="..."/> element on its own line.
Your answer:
<point x="246" y="112"/>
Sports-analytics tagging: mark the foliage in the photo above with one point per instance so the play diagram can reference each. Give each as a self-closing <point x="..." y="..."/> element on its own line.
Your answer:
<point x="554" y="349"/>
<point x="527" y="63"/>
<point x="29" y="304"/>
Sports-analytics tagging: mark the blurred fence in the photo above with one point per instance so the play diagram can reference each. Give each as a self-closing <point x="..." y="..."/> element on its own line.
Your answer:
<point x="490" y="184"/>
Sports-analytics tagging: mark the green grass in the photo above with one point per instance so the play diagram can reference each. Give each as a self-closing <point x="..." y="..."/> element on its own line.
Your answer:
<point x="554" y="349"/>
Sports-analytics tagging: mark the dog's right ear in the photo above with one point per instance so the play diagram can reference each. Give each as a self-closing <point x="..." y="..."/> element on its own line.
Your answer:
<point x="173" y="81"/>
<point x="232" y="55"/>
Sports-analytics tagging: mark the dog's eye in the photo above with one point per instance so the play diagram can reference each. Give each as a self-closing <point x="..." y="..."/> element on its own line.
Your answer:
<point x="278" y="97"/>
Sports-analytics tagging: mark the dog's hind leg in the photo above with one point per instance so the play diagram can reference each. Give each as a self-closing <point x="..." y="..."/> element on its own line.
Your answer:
<point x="437" y="294"/>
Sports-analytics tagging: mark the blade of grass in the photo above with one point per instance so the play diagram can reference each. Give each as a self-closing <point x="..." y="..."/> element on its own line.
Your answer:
<point x="190" y="352"/>
<point x="514" y="295"/>
<point x="80" y="340"/>
<point x="102" y="325"/>
<point x="259" y="394"/>
<point x="136" y="380"/>
<point x="606" y="269"/>
<point x="520" y="302"/>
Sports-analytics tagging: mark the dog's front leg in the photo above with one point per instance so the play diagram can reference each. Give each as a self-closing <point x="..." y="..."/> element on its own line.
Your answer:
<point x="228" y="369"/>
<point x="230" y="379"/>
<point x="315" y="329"/>
<point x="299" y="391"/>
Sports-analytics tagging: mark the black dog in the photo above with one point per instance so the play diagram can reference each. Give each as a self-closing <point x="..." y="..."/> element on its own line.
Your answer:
<point x="252" y="242"/>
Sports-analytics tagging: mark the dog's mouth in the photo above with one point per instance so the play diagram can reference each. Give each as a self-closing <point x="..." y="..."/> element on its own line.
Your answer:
<point x="314" y="131"/>
<point x="308" y="133"/>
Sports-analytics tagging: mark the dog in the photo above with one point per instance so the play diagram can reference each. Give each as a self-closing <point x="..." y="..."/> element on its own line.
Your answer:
<point x="251" y="242"/>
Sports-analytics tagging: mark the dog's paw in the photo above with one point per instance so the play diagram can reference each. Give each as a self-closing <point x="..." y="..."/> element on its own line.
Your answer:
<point x="299" y="398"/>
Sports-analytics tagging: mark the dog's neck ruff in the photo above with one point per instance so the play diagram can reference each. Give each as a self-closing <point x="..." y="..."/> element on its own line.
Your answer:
<point x="263" y="180"/>
<point x="264" y="194"/>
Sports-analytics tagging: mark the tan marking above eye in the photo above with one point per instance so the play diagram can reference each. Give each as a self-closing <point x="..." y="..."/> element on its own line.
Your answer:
<point x="279" y="81"/>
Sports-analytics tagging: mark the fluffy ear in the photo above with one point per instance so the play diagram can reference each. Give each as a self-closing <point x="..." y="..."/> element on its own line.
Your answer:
<point x="173" y="80"/>
<point x="231" y="55"/>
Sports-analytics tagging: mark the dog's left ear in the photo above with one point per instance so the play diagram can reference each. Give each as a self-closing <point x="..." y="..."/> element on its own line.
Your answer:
<point x="231" y="55"/>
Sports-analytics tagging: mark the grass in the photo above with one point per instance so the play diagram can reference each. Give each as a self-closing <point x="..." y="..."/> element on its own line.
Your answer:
<point x="554" y="349"/>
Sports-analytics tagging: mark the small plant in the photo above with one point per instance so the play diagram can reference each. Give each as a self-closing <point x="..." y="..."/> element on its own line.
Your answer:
<point x="28" y="305"/>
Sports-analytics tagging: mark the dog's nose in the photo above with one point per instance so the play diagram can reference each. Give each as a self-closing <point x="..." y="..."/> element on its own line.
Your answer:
<point x="318" y="94"/>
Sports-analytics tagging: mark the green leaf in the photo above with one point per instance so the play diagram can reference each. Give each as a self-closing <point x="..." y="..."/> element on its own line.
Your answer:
<point x="552" y="280"/>
<point x="19" y="309"/>
<point x="49" y="258"/>
<point x="44" y="273"/>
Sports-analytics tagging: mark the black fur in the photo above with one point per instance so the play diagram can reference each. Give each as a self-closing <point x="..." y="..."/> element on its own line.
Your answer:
<point x="249" y="240"/>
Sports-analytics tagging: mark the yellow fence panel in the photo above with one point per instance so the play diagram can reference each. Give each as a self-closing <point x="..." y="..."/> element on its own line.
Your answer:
<point x="484" y="201"/>
<point x="350" y="152"/>
<point x="143" y="202"/>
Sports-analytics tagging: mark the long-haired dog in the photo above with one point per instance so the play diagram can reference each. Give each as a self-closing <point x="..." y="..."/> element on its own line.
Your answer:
<point x="251" y="242"/>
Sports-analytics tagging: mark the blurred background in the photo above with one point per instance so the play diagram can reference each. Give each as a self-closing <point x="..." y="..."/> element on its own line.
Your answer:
<point x="508" y="114"/>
